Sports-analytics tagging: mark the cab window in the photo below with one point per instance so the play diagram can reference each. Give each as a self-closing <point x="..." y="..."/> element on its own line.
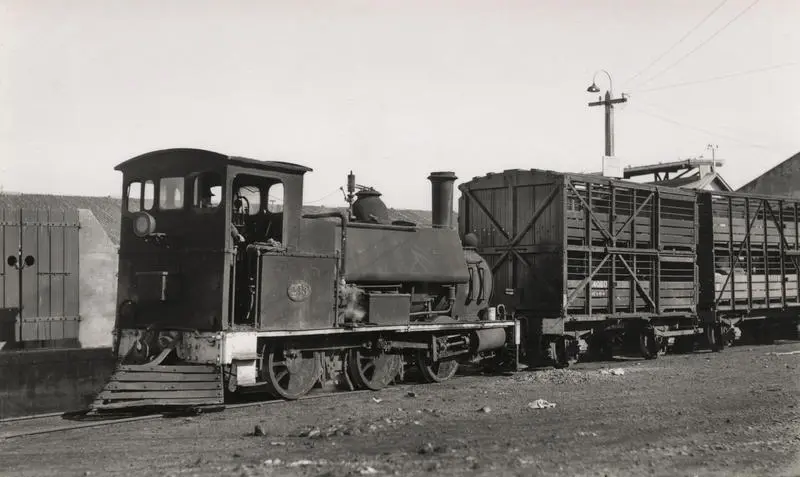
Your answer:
<point x="134" y="194"/>
<point x="149" y="195"/>
<point x="170" y="193"/>
<point x="207" y="190"/>
<point x="250" y="198"/>
<point x="257" y="208"/>
<point x="140" y="196"/>
<point x="275" y="198"/>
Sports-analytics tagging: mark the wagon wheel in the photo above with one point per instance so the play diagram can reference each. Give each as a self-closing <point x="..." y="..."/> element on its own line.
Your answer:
<point x="435" y="372"/>
<point x="764" y="334"/>
<point x="649" y="344"/>
<point x="601" y="347"/>
<point x="290" y="374"/>
<point x="683" y="344"/>
<point x="564" y="352"/>
<point x="728" y="336"/>
<point x="372" y="371"/>
<point x="714" y="337"/>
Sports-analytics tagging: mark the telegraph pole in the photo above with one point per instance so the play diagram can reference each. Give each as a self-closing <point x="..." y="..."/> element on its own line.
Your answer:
<point x="713" y="148"/>
<point x="609" y="103"/>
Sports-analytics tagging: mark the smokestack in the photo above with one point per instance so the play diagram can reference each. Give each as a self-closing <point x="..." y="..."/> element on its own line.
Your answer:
<point x="442" y="198"/>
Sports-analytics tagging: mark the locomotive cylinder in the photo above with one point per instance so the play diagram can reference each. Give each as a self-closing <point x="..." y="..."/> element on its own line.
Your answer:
<point x="485" y="340"/>
<point x="442" y="198"/>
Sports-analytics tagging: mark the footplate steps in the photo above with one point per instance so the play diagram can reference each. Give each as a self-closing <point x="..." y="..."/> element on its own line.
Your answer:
<point x="149" y="385"/>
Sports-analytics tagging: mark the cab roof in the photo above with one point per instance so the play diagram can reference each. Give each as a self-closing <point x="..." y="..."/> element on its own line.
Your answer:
<point x="187" y="154"/>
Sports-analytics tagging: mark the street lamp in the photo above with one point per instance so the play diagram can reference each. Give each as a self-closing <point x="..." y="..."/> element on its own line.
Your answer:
<point x="609" y="103"/>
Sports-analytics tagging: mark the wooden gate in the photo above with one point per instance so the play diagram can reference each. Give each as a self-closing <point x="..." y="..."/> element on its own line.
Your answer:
<point x="39" y="278"/>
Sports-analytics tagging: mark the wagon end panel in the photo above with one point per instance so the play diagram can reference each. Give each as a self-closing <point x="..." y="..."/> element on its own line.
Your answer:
<point x="517" y="217"/>
<point x="706" y="257"/>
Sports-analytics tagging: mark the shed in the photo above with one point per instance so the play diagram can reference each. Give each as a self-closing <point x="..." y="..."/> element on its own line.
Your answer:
<point x="783" y="179"/>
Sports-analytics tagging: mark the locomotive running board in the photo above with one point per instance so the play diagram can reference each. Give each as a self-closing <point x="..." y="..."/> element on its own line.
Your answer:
<point x="155" y="385"/>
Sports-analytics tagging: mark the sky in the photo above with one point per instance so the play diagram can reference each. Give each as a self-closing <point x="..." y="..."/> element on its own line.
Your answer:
<point x="392" y="89"/>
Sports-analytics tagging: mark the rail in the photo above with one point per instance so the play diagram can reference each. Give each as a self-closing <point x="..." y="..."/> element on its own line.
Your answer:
<point x="147" y="417"/>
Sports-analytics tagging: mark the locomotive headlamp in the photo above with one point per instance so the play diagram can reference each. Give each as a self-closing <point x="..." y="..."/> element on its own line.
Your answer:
<point x="144" y="224"/>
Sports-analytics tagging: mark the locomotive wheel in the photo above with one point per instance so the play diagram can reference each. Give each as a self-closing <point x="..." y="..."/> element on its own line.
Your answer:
<point x="649" y="344"/>
<point x="373" y="372"/>
<point x="435" y="372"/>
<point x="290" y="374"/>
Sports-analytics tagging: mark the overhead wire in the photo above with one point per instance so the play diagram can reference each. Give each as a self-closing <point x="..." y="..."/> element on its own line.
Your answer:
<point x="675" y="45"/>
<point x="702" y="44"/>
<point x="338" y="189"/>
<point x="721" y="77"/>
<point x="639" y="109"/>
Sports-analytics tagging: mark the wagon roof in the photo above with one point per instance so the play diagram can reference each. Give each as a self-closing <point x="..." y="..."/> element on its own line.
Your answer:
<point x="287" y="167"/>
<point x="593" y="178"/>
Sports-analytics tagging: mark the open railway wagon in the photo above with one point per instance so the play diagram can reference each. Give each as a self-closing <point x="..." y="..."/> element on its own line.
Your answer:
<point x="585" y="262"/>
<point x="225" y="286"/>
<point x="748" y="268"/>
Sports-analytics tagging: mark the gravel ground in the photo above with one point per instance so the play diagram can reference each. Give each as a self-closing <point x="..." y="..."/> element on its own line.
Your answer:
<point x="730" y="413"/>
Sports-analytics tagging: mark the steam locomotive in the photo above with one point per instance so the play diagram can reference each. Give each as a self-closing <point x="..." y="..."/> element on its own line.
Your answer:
<point x="224" y="286"/>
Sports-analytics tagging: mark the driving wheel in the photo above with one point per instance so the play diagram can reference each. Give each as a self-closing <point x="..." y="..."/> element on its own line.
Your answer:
<point x="290" y="374"/>
<point x="372" y="370"/>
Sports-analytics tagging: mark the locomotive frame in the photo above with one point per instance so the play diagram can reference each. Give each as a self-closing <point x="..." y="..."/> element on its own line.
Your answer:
<point x="219" y="293"/>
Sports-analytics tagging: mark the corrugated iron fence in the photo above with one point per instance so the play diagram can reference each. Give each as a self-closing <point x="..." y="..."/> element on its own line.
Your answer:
<point x="39" y="279"/>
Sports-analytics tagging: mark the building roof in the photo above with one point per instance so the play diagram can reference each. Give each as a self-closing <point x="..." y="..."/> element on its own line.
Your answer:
<point x="105" y="209"/>
<point x="753" y="184"/>
<point x="696" y="181"/>
<point x="674" y="166"/>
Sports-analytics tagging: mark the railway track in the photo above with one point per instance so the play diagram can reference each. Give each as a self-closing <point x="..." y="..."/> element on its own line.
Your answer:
<point x="40" y="424"/>
<point x="49" y="423"/>
<point x="24" y="426"/>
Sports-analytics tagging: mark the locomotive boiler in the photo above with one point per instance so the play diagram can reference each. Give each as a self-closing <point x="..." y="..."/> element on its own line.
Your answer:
<point x="225" y="286"/>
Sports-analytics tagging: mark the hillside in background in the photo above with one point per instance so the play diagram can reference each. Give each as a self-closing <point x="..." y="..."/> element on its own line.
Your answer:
<point x="107" y="209"/>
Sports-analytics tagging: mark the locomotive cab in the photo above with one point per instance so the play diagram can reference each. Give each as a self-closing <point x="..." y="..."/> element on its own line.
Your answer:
<point x="188" y="219"/>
